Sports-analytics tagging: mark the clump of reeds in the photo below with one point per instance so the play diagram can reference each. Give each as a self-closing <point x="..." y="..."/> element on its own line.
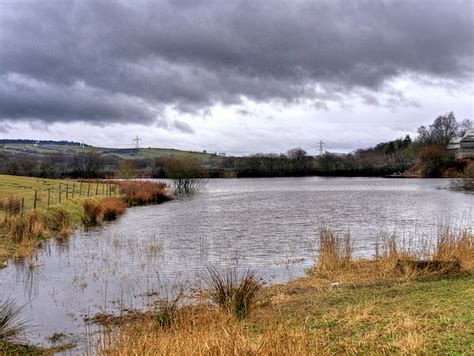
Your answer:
<point x="395" y="257"/>
<point x="455" y="245"/>
<point x="92" y="212"/>
<point x="335" y="250"/>
<point x="106" y="209"/>
<point x="234" y="292"/>
<point x="11" y="325"/>
<point x="112" y="208"/>
<point x="140" y="193"/>
<point x="20" y="228"/>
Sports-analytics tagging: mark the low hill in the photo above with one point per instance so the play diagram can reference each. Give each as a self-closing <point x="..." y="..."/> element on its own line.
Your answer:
<point x="41" y="148"/>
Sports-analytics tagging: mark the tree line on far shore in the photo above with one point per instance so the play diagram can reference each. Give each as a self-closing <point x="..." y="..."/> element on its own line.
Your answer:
<point x="424" y="156"/>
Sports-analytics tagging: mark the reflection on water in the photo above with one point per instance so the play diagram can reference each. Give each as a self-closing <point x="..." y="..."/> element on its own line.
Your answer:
<point x="268" y="224"/>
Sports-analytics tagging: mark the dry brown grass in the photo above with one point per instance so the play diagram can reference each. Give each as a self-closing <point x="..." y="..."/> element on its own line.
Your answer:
<point x="106" y="209"/>
<point x="204" y="331"/>
<point x="455" y="245"/>
<point x="21" y="234"/>
<point x="141" y="193"/>
<point x="112" y="208"/>
<point x="92" y="212"/>
<point x="394" y="258"/>
<point x="335" y="250"/>
<point x="25" y="227"/>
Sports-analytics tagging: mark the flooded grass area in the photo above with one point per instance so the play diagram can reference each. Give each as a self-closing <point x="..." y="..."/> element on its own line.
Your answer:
<point x="35" y="209"/>
<point x="269" y="225"/>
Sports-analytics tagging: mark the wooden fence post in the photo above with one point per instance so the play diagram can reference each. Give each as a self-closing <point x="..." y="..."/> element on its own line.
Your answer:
<point x="73" y="189"/>
<point x="22" y="204"/>
<point x="96" y="189"/>
<point x="60" y="191"/>
<point x="67" y="192"/>
<point x="49" y="196"/>
<point x="36" y="196"/>
<point x="80" y="190"/>
<point x="88" y="188"/>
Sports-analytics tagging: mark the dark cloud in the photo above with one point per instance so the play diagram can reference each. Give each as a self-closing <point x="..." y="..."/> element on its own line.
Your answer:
<point x="183" y="126"/>
<point x="104" y="61"/>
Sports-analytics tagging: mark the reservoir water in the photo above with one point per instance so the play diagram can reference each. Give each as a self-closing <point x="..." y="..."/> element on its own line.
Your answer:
<point x="270" y="225"/>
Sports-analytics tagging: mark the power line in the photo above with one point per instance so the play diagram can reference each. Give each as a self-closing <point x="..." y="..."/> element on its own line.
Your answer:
<point x="321" y="146"/>
<point x="136" y="142"/>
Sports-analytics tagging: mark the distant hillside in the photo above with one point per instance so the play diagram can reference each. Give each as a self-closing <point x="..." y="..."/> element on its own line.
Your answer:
<point x="38" y="149"/>
<point x="40" y="142"/>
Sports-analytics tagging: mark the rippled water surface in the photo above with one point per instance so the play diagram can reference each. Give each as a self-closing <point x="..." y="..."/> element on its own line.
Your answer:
<point x="268" y="224"/>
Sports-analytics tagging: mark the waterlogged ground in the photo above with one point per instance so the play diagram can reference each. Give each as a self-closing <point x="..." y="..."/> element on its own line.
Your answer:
<point x="267" y="224"/>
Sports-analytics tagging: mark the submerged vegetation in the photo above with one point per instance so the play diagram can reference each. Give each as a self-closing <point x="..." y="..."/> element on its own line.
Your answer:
<point x="345" y="305"/>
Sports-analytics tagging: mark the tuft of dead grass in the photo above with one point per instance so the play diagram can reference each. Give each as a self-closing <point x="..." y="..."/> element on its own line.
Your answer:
<point x="455" y="245"/>
<point x="92" y="212"/>
<point x="112" y="208"/>
<point x="335" y="250"/>
<point x="25" y="227"/>
<point x="234" y="292"/>
<point x="141" y="193"/>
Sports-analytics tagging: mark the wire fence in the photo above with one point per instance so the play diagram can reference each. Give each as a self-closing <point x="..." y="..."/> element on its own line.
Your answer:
<point x="44" y="199"/>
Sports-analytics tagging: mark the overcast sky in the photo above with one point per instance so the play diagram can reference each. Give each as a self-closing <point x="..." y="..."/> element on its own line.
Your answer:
<point x="233" y="76"/>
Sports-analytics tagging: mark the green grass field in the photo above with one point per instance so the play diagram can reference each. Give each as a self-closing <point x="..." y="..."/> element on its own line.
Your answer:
<point x="49" y="193"/>
<point x="434" y="316"/>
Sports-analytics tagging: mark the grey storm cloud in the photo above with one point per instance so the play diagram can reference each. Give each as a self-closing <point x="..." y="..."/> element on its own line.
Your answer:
<point x="123" y="62"/>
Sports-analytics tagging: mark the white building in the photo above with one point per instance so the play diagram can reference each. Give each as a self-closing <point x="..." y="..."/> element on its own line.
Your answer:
<point x="463" y="146"/>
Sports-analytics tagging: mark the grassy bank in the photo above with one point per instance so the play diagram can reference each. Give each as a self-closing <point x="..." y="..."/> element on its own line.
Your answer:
<point x="33" y="209"/>
<point x="394" y="303"/>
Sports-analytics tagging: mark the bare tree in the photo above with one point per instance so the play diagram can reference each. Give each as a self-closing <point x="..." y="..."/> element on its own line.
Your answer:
<point x="86" y="165"/>
<point x="185" y="173"/>
<point x="440" y="132"/>
<point x="464" y="126"/>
